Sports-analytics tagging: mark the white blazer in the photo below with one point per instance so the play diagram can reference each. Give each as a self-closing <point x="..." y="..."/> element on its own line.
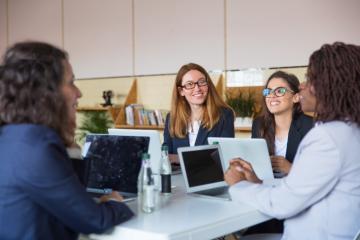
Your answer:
<point x="320" y="198"/>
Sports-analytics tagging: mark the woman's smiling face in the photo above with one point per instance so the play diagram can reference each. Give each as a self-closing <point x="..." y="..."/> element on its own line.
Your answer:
<point x="278" y="105"/>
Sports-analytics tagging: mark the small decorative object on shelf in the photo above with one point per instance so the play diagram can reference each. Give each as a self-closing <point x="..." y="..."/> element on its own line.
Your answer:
<point x="107" y="95"/>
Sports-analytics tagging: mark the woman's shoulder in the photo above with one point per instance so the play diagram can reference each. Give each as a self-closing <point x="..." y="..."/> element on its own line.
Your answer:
<point x="257" y="121"/>
<point x="304" y="120"/>
<point x="34" y="134"/>
<point x="227" y="111"/>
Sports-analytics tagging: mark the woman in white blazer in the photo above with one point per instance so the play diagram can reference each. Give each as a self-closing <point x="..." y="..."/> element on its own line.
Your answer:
<point x="320" y="198"/>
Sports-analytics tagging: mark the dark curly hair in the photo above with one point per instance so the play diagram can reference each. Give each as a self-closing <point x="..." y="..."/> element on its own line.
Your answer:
<point x="334" y="72"/>
<point x="267" y="126"/>
<point x="30" y="78"/>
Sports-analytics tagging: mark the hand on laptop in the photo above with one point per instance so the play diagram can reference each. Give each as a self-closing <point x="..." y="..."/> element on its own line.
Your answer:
<point x="240" y="170"/>
<point x="280" y="164"/>
<point x="174" y="158"/>
<point x="113" y="196"/>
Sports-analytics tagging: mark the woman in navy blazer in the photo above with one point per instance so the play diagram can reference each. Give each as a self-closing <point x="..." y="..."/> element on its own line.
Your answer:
<point x="197" y="111"/>
<point x="42" y="197"/>
<point x="283" y="125"/>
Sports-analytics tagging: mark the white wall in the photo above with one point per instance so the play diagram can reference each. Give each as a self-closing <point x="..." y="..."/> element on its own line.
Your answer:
<point x="35" y="20"/>
<point x="127" y="37"/>
<point x="285" y="33"/>
<point x="98" y="36"/>
<point x="3" y="27"/>
<point x="170" y="33"/>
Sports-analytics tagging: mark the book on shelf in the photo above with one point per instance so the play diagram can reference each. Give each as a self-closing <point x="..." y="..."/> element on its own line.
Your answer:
<point x="137" y="115"/>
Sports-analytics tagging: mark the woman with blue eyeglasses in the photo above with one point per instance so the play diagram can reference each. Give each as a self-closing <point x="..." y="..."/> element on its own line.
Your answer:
<point x="197" y="111"/>
<point x="283" y="125"/>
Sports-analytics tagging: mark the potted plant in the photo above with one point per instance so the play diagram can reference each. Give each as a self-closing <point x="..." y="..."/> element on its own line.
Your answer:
<point x="244" y="107"/>
<point x="93" y="122"/>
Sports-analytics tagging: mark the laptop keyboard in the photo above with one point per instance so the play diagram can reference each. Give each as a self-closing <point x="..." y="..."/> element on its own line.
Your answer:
<point x="215" y="191"/>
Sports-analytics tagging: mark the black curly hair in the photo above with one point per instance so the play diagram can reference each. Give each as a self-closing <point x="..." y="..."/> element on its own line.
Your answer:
<point x="334" y="72"/>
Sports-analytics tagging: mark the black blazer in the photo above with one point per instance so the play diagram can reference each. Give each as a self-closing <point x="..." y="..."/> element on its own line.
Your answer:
<point x="300" y="125"/>
<point x="224" y="128"/>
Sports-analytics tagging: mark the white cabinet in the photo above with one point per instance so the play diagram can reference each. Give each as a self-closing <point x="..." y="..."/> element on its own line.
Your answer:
<point x="3" y="27"/>
<point x="98" y="36"/>
<point x="282" y="33"/>
<point x="35" y="20"/>
<point x="170" y="33"/>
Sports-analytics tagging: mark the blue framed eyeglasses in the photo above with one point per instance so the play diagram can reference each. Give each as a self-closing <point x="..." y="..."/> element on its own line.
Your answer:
<point x="278" y="92"/>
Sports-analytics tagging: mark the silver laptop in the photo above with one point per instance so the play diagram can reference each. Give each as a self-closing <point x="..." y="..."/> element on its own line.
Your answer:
<point x="154" y="145"/>
<point x="113" y="163"/>
<point x="253" y="150"/>
<point x="203" y="171"/>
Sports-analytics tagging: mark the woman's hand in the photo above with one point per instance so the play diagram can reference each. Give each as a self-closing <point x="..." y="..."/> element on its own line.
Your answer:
<point x="113" y="196"/>
<point x="174" y="158"/>
<point x="280" y="164"/>
<point x="240" y="170"/>
<point x="234" y="174"/>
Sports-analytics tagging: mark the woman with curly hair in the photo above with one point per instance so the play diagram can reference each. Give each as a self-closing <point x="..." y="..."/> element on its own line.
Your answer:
<point x="42" y="197"/>
<point x="323" y="185"/>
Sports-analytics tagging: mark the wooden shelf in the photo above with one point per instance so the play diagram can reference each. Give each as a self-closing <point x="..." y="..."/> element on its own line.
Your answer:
<point x="113" y="110"/>
<point x="118" y="112"/>
<point x="140" y="127"/>
<point x="243" y="129"/>
<point x="237" y="129"/>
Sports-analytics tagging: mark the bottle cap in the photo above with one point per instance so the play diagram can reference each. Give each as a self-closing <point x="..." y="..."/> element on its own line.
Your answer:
<point x="145" y="156"/>
<point x="164" y="148"/>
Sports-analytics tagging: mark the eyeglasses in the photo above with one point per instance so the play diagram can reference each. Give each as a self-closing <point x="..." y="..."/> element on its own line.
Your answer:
<point x="191" y="85"/>
<point x="278" y="92"/>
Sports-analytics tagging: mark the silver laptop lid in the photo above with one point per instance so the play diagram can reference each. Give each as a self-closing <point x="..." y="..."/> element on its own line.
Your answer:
<point x="201" y="167"/>
<point x="253" y="150"/>
<point x="154" y="145"/>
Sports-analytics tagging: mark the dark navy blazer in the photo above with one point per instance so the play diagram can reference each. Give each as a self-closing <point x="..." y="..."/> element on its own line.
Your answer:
<point x="300" y="125"/>
<point x="41" y="197"/>
<point x="224" y="128"/>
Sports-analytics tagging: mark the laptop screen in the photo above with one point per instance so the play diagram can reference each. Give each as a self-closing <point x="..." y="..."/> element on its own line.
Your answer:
<point x="202" y="166"/>
<point x="154" y="145"/>
<point x="113" y="162"/>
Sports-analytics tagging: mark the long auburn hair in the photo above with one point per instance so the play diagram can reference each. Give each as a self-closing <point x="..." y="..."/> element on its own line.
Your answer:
<point x="180" y="113"/>
<point x="334" y="72"/>
<point x="30" y="79"/>
<point x="267" y="125"/>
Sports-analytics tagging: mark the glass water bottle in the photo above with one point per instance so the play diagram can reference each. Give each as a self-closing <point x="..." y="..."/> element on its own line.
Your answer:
<point x="165" y="171"/>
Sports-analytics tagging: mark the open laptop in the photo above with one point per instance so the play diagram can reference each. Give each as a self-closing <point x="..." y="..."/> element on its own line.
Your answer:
<point x="154" y="145"/>
<point x="253" y="150"/>
<point x="203" y="171"/>
<point x="113" y="163"/>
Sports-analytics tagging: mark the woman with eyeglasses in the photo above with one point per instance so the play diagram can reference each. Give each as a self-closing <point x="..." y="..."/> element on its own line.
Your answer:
<point x="197" y="111"/>
<point x="320" y="197"/>
<point x="282" y="123"/>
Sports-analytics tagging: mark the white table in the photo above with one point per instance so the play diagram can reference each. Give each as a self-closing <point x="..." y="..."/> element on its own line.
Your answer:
<point x="182" y="216"/>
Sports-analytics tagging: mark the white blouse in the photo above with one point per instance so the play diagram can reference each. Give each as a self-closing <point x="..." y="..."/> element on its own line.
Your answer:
<point x="193" y="132"/>
<point x="320" y="198"/>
